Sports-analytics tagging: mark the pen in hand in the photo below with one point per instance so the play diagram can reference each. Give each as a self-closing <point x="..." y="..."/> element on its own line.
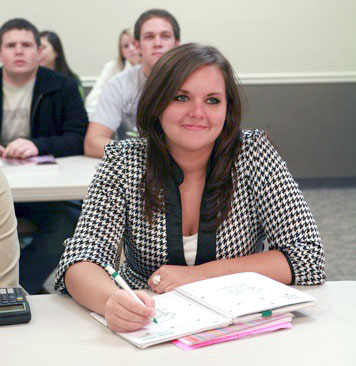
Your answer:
<point x="119" y="280"/>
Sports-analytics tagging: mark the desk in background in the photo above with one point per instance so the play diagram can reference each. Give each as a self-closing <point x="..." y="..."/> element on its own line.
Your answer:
<point x="63" y="333"/>
<point x="69" y="183"/>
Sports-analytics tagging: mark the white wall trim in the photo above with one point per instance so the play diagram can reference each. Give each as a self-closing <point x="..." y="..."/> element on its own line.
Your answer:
<point x="291" y="78"/>
<point x="299" y="78"/>
<point x="88" y="81"/>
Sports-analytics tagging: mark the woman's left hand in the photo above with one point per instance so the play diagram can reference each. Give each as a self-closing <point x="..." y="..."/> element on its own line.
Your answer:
<point x="173" y="276"/>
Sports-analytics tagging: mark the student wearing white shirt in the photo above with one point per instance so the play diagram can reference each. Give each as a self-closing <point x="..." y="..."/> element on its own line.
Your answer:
<point x="128" y="56"/>
<point x="156" y="32"/>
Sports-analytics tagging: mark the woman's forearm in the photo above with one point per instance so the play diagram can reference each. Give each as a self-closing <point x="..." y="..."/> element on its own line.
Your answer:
<point x="272" y="264"/>
<point x="89" y="285"/>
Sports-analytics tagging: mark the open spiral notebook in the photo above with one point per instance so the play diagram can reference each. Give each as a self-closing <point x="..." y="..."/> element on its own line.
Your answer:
<point x="216" y="303"/>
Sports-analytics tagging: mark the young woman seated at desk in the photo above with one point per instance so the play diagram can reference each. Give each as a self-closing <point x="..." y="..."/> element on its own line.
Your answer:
<point x="192" y="198"/>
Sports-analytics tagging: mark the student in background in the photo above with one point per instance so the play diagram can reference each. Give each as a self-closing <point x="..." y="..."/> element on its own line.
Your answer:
<point x="52" y="57"/>
<point x="9" y="243"/>
<point x="193" y="198"/>
<point x="156" y="32"/>
<point x="128" y="56"/>
<point x="41" y="112"/>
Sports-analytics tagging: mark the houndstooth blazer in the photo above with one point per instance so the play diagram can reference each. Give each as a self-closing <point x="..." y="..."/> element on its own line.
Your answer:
<point x="267" y="204"/>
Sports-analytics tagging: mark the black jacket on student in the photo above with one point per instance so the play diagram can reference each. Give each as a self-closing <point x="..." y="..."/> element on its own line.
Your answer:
<point x="58" y="119"/>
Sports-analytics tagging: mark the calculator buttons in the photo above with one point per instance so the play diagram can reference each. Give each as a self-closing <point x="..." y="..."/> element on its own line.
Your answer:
<point x="12" y="298"/>
<point x="14" y="308"/>
<point x="4" y="299"/>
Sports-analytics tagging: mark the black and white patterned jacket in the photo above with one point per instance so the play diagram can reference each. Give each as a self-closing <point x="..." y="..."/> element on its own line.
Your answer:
<point x="267" y="203"/>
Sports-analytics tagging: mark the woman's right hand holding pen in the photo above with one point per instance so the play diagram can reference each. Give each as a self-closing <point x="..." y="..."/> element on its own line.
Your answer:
<point x="125" y="314"/>
<point x="124" y="310"/>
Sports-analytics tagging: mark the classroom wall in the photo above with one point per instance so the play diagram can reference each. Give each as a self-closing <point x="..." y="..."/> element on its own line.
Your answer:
<point x="295" y="58"/>
<point x="313" y="126"/>
<point x="268" y="39"/>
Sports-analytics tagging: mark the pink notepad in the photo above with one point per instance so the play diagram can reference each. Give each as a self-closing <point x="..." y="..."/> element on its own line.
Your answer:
<point x="234" y="331"/>
<point x="231" y="337"/>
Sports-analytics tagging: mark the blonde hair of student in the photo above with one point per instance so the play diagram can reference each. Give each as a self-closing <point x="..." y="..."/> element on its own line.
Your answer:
<point x="121" y="60"/>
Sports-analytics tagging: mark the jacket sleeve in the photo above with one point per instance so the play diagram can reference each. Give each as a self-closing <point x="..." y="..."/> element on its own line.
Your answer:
<point x="101" y="224"/>
<point x="71" y="122"/>
<point x="284" y="214"/>
<point x="9" y="244"/>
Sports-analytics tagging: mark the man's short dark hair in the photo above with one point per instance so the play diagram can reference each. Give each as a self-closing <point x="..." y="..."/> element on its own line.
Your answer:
<point x="20" y="24"/>
<point x="157" y="13"/>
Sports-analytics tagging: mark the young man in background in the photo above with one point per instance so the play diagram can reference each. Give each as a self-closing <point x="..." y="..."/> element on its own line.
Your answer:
<point x="41" y="112"/>
<point x="156" y="32"/>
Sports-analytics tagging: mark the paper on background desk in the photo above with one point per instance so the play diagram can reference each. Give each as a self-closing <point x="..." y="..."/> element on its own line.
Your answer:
<point x="38" y="164"/>
<point x="186" y="318"/>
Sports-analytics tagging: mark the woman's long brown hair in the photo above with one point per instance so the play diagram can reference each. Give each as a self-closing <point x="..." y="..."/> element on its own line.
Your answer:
<point x="165" y="79"/>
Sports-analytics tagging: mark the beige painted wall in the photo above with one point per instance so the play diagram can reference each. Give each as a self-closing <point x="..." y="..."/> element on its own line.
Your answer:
<point x="271" y="37"/>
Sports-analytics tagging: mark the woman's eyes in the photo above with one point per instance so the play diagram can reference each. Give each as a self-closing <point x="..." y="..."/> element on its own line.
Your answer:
<point x="213" y="101"/>
<point x="184" y="98"/>
<point x="181" y="98"/>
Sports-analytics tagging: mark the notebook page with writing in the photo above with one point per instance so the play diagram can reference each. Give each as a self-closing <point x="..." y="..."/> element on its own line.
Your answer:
<point x="175" y="317"/>
<point x="242" y="294"/>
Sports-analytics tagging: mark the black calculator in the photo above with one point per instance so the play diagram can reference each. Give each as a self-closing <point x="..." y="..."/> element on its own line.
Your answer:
<point x="14" y="307"/>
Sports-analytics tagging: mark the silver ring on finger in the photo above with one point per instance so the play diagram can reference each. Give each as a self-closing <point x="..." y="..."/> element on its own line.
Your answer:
<point x="156" y="279"/>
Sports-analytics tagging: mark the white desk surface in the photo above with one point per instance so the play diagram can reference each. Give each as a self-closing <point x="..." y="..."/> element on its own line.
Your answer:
<point x="63" y="333"/>
<point x="69" y="183"/>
